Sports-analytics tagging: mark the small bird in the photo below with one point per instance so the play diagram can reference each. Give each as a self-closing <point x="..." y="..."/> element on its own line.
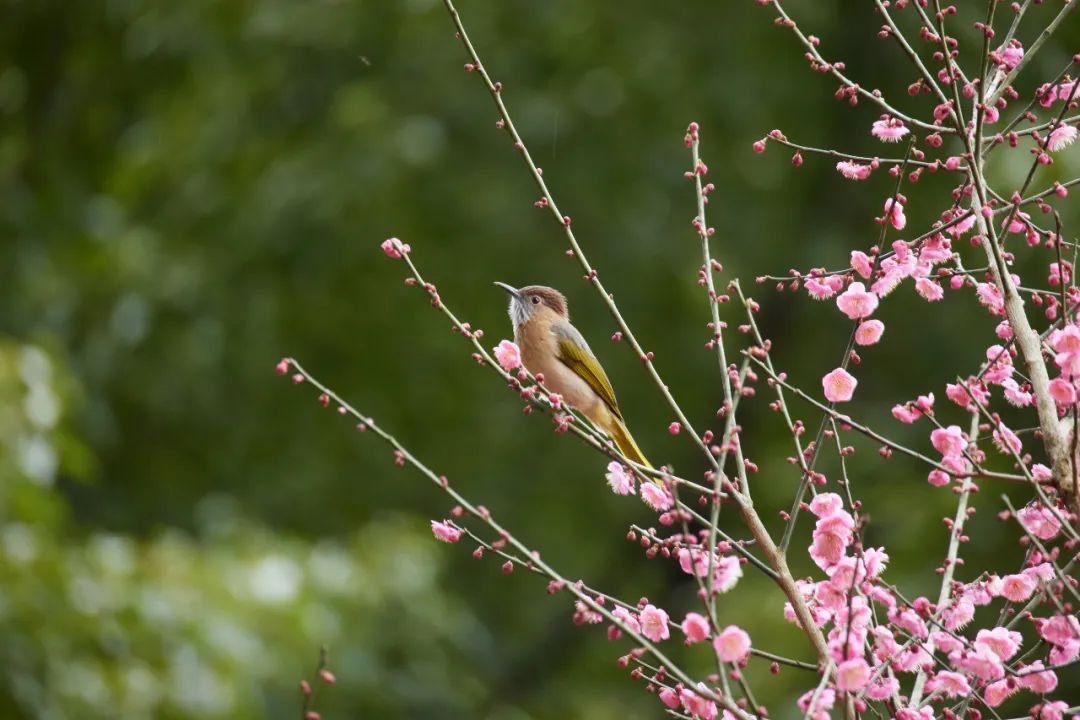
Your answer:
<point x="551" y="346"/>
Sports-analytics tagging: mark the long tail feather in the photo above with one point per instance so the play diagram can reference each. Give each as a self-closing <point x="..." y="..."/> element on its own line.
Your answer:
<point x="625" y="442"/>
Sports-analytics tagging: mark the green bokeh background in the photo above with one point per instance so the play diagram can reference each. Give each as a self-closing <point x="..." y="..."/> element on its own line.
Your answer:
<point x="190" y="191"/>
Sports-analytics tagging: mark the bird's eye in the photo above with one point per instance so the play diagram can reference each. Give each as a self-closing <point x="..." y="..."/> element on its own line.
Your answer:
<point x="535" y="300"/>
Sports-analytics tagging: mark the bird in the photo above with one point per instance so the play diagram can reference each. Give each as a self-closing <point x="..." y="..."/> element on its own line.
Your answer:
<point x="550" y="345"/>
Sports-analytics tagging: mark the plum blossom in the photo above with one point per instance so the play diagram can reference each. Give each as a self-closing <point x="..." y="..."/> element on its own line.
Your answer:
<point x="1060" y="630"/>
<point x="949" y="683"/>
<point x="860" y="263"/>
<point x="998" y="692"/>
<point x="888" y="129"/>
<point x="654" y="623"/>
<point x="696" y="628"/>
<point x="1006" y="440"/>
<point x="656" y="497"/>
<point x="929" y="290"/>
<point x="852" y="675"/>
<point x="697" y="705"/>
<point x="732" y="644"/>
<point x="949" y="441"/>
<point x="670" y="698"/>
<point x="1038" y="680"/>
<point x="990" y="297"/>
<point x="839" y="385"/>
<point x="1039" y="521"/>
<point x="1060" y="138"/>
<point x="726" y="574"/>
<point x="1001" y="641"/>
<point x="508" y="355"/>
<point x="822" y="288"/>
<point x="627" y="618"/>
<point x="1053" y="710"/>
<point x="869" y="332"/>
<point x="1018" y="587"/>
<point x="620" y="481"/>
<point x="394" y="248"/>
<point x="856" y="302"/>
<point x="445" y="532"/>
<point x="894" y="213"/>
<point x="1008" y="56"/>
<point x="853" y="170"/>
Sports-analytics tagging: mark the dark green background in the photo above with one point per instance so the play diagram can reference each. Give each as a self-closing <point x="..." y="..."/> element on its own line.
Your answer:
<point x="190" y="191"/>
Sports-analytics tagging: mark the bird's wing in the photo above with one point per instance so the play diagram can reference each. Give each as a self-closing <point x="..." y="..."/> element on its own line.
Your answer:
<point x="574" y="352"/>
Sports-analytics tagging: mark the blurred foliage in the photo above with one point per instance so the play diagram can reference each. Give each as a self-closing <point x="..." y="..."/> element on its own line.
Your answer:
<point x="189" y="191"/>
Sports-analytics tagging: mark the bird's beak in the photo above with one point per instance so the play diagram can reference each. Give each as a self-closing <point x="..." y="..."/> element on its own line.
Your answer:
<point x="513" y="291"/>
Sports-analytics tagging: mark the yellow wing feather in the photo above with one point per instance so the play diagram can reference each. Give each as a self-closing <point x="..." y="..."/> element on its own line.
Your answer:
<point x="574" y="352"/>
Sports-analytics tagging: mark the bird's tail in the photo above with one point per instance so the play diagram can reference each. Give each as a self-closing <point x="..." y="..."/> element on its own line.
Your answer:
<point x="625" y="442"/>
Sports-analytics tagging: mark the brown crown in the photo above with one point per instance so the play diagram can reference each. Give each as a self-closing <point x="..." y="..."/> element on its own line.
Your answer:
<point x="548" y="296"/>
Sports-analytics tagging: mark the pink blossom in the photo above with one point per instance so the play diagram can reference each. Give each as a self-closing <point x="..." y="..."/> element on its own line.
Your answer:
<point x="1053" y="710"/>
<point x="1066" y="340"/>
<point x="1017" y="588"/>
<point x="869" y="332"/>
<point x="1060" y="138"/>
<point x="1009" y="56"/>
<point x="1001" y="641"/>
<point x="949" y="441"/>
<point x="894" y="213"/>
<point x="394" y="248"/>
<point x="998" y="692"/>
<point x="860" y="263"/>
<point x="957" y="393"/>
<point x="839" y="385"/>
<point x="825" y="504"/>
<point x="907" y="413"/>
<point x="654" y="623"/>
<point x="694" y="562"/>
<point x="1064" y="654"/>
<point x="826" y="699"/>
<point x="627" y="618"/>
<point x="1040" y="472"/>
<point x="949" y="683"/>
<point x="882" y="688"/>
<point x="1039" y="521"/>
<point x="732" y="644"/>
<point x="938" y="478"/>
<point x="445" y="532"/>
<point x="1016" y="396"/>
<point x="508" y="355"/>
<point x="856" y="302"/>
<point x="1017" y="222"/>
<point x="929" y="290"/>
<point x="888" y="129"/>
<point x="822" y="288"/>
<point x="621" y="481"/>
<point x="990" y="297"/>
<point x="697" y="705"/>
<point x="958" y="614"/>
<point x="963" y="226"/>
<point x="946" y="642"/>
<point x="696" y="628"/>
<point x="1038" y="680"/>
<point x="981" y="662"/>
<point x="853" y="170"/>
<point x="670" y="698"/>
<point x="1006" y="440"/>
<point x="1060" y="630"/>
<point x="852" y="675"/>
<point x="656" y="497"/>
<point x="726" y="574"/>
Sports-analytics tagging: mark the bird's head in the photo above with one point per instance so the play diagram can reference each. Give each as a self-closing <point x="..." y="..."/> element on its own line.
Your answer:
<point x="535" y="302"/>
